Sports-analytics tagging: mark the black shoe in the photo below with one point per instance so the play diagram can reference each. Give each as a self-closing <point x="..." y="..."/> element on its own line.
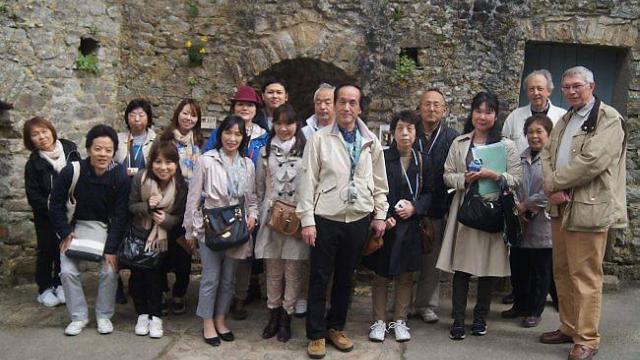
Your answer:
<point x="457" y="331"/>
<point x="478" y="327"/>
<point x="284" y="327"/>
<point x="177" y="305"/>
<point x="214" y="341"/>
<point x="228" y="336"/>
<point x="509" y="298"/>
<point x="511" y="314"/>
<point x="272" y="326"/>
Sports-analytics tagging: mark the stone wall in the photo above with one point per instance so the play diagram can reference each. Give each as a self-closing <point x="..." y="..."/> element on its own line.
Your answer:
<point x="462" y="47"/>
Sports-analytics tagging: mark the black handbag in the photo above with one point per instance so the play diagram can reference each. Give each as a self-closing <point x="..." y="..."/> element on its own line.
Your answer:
<point x="225" y="227"/>
<point x="512" y="227"/>
<point x="133" y="254"/>
<point x="478" y="213"/>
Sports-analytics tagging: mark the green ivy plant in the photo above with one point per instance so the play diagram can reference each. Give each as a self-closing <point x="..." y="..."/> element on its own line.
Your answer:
<point x="405" y="69"/>
<point x="87" y="63"/>
<point x="192" y="8"/>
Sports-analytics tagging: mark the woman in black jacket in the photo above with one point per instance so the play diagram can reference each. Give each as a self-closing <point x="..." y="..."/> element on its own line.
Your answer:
<point x="401" y="252"/>
<point x="48" y="156"/>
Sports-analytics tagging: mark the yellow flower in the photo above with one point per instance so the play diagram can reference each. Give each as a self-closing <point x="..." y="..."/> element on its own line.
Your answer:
<point x="202" y="51"/>
<point x="188" y="44"/>
<point x="204" y="39"/>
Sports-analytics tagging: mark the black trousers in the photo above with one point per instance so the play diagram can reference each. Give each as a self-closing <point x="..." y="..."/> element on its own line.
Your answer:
<point x="531" y="269"/>
<point x="47" y="256"/>
<point x="461" y="291"/>
<point x="145" y="288"/>
<point x="177" y="260"/>
<point x="337" y="251"/>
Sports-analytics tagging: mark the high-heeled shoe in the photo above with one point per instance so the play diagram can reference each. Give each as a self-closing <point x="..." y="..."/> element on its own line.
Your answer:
<point x="214" y="341"/>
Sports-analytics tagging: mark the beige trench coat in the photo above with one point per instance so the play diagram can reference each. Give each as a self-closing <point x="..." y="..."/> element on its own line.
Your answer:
<point x="276" y="178"/>
<point x="466" y="249"/>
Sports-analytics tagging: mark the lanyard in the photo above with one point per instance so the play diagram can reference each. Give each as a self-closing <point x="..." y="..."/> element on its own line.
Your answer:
<point x="354" y="150"/>
<point x="135" y="156"/>
<point x="432" y="142"/>
<point x="414" y="195"/>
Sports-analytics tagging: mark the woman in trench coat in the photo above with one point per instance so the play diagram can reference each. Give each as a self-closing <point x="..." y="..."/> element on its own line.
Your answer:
<point x="466" y="251"/>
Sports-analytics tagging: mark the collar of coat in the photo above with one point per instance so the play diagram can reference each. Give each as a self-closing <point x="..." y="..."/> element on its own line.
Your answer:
<point x="367" y="136"/>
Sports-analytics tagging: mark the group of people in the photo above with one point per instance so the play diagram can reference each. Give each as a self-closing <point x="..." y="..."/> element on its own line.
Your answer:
<point x="349" y="199"/>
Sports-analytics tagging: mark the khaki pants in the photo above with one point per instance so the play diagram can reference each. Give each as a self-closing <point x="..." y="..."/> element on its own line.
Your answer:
<point x="283" y="276"/>
<point x="403" y="285"/>
<point x="577" y="270"/>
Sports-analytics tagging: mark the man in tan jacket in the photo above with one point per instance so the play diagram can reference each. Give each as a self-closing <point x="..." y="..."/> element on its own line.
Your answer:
<point x="343" y="183"/>
<point x="584" y="178"/>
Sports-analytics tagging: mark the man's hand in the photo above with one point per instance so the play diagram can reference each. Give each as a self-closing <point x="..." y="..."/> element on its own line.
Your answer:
<point x="558" y="197"/>
<point x="378" y="227"/>
<point x="309" y="235"/>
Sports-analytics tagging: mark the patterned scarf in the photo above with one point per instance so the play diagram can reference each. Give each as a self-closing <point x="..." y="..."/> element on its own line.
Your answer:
<point x="185" y="144"/>
<point x="237" y="176"/>
<point x="56" y="157"/>
<point x="157" y="239"/>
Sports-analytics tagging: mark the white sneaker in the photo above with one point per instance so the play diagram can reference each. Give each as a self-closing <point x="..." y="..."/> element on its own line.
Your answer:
<point x="142" y="326"/>
<point x="378" y="331"/>
<point x="60" y="295"/>
<point x="401" y="330"/>
<point x="104" y="326"/>
<point x="75" y="327"/>
<point x="48" y="298"/>
<point x="155" y="328"/>
<point x="429" y="316"/>
<point x="301" y="307"/>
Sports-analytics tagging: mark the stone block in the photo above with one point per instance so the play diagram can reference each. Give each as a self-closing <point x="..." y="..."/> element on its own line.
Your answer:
<point x="611" y="283"/>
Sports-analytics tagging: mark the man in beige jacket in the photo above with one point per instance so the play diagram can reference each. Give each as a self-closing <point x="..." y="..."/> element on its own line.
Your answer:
<point x="341" y="194"/>
<point x="584" y="178"/>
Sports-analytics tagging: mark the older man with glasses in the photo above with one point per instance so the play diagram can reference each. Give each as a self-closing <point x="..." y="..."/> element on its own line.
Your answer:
<point x="584" y="178"/>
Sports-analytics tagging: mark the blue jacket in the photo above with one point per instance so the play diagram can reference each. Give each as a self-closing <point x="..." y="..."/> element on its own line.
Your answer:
<point x="103" y="198"/>
<point x="253" y="150"/>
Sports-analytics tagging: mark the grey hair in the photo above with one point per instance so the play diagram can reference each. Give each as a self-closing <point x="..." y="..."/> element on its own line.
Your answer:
<point x="586" y="74"/>
<point x="323" y="86"/>
<point x="542" y="72"/>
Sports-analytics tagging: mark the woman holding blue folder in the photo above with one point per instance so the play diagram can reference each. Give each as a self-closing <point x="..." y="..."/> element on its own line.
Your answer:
<point x="467" y="251"/>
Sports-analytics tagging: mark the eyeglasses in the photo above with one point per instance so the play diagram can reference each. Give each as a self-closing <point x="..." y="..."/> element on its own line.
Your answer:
<point x="435" y="105"/>
<point x="573" y="87"/>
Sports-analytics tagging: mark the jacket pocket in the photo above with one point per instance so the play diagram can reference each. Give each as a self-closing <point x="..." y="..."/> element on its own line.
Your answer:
<point x="321" y="193"/>
<point x="589" y="215"/>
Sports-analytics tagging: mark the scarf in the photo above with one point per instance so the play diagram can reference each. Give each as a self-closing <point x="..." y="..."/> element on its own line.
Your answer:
<point x="56" y="157"/>
<point x="157" y="239"/>
<point x="185" y="150"/>
<point x="237" y="176"/>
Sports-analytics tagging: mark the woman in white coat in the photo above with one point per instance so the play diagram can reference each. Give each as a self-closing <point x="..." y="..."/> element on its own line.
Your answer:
<point x="467" y="251"/>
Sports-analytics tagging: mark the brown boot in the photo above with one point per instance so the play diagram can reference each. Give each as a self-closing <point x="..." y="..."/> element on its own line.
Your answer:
<point x="316" y="349"/>
<point x="239" y="312"/>
<point x="272" y="326"/>
<point x="582" y="352"/>
<point x="284" y="328"/>
<point x="339" y="340"/>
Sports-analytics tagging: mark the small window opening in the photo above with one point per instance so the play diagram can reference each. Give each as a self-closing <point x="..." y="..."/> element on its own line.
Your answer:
<point x="88" y="46"/>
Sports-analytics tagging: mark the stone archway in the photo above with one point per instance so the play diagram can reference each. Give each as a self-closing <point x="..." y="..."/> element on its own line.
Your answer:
<point x="303" y="76"/>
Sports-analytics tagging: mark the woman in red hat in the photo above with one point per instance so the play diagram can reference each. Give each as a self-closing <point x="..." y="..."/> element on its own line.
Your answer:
<point x="246" y="103"/>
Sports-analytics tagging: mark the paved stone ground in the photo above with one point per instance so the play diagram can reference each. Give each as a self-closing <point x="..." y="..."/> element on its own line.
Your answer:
<point x="30" y="331"/>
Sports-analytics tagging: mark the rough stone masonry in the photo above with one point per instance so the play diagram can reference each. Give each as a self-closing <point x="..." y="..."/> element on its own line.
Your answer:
<point x="461" y="46"/>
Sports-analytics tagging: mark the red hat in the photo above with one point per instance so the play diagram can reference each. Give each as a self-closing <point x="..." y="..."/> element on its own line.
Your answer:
<point x="248" y="94"/>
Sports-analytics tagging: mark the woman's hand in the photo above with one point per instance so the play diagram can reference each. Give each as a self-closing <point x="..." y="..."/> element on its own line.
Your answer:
<point x="406" y="211"/>
<point x="158" y="216"/>
<point x="251" y="223"/>
<point x="154" y="201"/>
<point x="390" y="223"/>
<point x="112" y="261"/>
<point x="522" y="209"/>
<point x="64" y="244"/>
<point x="558" y="197"/>
<point x="471" y="176"/>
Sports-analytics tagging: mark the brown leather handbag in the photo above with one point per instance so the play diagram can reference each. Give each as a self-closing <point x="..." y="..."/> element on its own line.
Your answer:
<point x="373" y="244"/>
<point x="283" y="219"/>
